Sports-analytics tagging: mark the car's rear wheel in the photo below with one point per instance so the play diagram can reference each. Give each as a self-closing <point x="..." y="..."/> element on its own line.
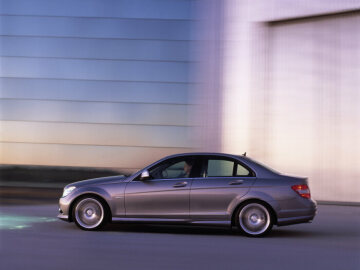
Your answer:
<point x="89" y="213"/>
<point x="254" y="219"/>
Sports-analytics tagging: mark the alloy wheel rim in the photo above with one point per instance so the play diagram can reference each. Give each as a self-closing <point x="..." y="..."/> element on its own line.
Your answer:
<point x="254" y="218"/>
<point x="89" y="213"/>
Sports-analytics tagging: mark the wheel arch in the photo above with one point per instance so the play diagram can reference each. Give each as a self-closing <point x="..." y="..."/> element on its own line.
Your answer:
<point x="93" y="195"/>
<point x="250" y="200"/>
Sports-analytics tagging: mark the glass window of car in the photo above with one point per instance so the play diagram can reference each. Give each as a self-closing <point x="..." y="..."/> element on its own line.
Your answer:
<point x="175" y="171"/>
<point x="179" y="168"/>
<point x="242" y="171"/>
<point x="220" y="168"/>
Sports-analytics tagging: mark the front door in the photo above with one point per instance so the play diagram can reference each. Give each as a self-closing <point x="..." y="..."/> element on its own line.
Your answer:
<point x="165" y="194"/>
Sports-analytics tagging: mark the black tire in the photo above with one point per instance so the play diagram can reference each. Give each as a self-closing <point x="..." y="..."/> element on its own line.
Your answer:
<point x="90" y="213"/>
<point x="254" y="219"/>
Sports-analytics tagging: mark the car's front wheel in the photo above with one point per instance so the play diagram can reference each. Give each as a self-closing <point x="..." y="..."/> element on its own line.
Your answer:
<point x="89" y="213"/>
<point x="254" y="219"/>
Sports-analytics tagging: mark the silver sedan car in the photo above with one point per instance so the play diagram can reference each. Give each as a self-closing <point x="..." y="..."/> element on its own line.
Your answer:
<point x="192" y="188"/>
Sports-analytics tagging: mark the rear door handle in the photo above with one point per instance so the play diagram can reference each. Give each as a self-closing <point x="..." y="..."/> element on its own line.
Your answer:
<point x="180" y="184"/>
<point x="236" y="182"/>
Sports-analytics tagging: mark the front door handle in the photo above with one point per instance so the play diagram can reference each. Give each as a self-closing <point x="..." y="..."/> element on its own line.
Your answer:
<point x="180" y="184"/>
<point x="236" y="182"/>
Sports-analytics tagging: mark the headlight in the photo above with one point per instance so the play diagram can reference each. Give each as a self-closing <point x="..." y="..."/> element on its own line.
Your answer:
<point x="68" y="190"/>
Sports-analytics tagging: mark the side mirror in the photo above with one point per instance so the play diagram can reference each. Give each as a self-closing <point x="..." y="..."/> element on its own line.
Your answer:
<point x="145" y="175"/>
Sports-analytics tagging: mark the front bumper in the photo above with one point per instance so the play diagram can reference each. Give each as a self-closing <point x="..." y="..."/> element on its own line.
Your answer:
<point x="64" y="208"/>
<point x="63" y="217"/>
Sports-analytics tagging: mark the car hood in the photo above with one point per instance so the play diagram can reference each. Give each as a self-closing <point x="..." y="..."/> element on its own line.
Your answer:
<point x="97" y="181"/>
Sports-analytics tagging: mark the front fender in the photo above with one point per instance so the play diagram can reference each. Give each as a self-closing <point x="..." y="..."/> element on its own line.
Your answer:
<point x="92" y="190"/>
<point x="66" y="202"/>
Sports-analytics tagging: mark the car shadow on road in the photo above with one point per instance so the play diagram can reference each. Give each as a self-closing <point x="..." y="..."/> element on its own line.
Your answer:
<point x="170" y="229"/>
<point x="280" y="233"/>
<point x="310" y="233"/>
<point x="207" y="230"/>
<point x="202" y="230"/>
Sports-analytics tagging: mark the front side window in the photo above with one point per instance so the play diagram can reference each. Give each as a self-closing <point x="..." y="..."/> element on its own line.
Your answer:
<point x="178" y="168"/>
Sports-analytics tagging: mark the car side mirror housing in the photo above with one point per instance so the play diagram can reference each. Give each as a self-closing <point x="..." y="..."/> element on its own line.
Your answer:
<point x="145" y="175"/>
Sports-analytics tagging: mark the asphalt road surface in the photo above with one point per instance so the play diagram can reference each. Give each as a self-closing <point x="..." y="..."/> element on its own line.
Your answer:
<point x="31" y="238"/>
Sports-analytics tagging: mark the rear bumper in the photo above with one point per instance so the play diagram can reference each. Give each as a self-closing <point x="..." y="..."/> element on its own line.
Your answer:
<point x="294" y="220"/>
<point x="301" y="215"/>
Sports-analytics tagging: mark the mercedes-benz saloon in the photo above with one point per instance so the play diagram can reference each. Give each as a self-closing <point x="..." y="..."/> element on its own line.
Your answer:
<point x="192" y="188"/>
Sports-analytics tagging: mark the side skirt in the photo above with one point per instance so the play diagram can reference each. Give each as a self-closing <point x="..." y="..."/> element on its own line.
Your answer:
<point x="226" y="223"/>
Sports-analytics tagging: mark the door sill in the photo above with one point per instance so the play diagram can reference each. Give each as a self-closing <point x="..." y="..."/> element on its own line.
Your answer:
<point x="173" y="221"/>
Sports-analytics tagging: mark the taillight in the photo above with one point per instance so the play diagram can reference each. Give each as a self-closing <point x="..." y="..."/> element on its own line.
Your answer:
<point x="302" y="190"/>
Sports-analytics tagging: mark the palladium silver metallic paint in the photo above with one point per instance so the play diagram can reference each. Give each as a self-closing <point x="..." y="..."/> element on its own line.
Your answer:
<point x="199" y="188"/>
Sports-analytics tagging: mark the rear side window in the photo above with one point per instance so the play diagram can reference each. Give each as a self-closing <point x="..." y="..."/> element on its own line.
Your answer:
<point x="217" y="167"/>
<point x="220" y="168"/>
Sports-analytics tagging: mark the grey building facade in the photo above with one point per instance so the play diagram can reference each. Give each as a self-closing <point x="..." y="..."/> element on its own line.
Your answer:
<point x="119" y="84"/>
<point x="96" y="83"/>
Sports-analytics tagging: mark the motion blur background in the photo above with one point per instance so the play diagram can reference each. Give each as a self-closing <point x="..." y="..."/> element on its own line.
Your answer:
<point x="118" y="84"/>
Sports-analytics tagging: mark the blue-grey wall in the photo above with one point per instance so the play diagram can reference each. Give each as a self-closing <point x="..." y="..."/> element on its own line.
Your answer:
<point x="95" y="83"/>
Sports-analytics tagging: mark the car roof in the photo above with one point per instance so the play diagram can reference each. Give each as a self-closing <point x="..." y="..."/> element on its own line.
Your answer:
<point x="204" y="154"/>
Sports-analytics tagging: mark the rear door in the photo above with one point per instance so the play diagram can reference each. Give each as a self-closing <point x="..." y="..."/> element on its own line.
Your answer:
<point x="222" y="180"/>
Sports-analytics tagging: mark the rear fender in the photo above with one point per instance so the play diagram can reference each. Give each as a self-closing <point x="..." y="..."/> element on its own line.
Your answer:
<point x="253" y="195"/>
